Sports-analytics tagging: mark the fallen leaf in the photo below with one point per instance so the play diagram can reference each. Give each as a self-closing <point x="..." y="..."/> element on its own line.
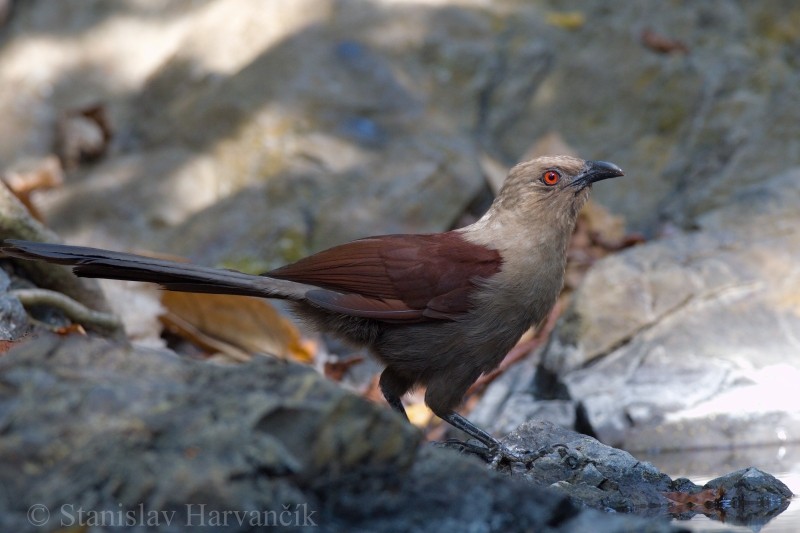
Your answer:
<point x="687" y="501"/>
<point x="661" y="43"/>
<point x="597" y="234"/>
<point x="83" y="135"/>
<point x="187" y="331"/>
<point x="249" y="325"/>
<point x="73" y="328"/>
<point x="6" y="346"/>
<point x="27" y="177"/>
<point x="336" y="370"/>
<point x="372" y="391"/>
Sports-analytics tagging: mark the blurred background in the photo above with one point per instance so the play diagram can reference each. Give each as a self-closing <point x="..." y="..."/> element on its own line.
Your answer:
<point x="248" y="134"/>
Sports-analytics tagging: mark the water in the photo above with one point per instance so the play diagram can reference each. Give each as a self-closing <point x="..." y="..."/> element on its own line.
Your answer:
<point x="701" y="466"/>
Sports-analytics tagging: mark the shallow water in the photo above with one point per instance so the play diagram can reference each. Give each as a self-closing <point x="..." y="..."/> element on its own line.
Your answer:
<point x="701" y="466"/>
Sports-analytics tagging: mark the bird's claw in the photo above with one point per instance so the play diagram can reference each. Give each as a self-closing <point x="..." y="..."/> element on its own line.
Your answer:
<point x="496" y="456"/>
<point x="503" y="456"/>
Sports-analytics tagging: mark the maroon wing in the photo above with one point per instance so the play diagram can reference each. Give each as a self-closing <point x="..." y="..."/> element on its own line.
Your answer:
<point x="397" y="278"/>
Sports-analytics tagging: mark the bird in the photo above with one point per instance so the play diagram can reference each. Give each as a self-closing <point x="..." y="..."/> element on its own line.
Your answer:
<point x="438" y="309"/>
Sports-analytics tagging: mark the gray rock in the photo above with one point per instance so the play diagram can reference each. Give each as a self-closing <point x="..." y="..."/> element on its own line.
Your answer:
<point x="14" y="321"/>
<point x="16" y="222"/>
<point x="90" y="426"/>
<point x="604" y="477"/>
<point x="379" y="107"/>
<point x="599" y="476"/>
<point x="750" y="489"/>
<point x="308" y="134"/>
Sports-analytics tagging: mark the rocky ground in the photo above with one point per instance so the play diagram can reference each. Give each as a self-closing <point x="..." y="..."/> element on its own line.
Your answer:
<point x="99" y="426"/>
<point x="248" y="134"/>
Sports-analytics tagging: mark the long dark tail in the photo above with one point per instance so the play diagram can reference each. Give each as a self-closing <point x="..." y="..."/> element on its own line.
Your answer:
<point x="172" y="275"/>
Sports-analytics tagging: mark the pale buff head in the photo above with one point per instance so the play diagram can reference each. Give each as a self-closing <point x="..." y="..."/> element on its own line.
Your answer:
<point x="559" y="183"/>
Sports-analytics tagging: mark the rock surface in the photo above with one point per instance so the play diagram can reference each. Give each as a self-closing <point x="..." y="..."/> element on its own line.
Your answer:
<point x="90" y="426"/>
<point x="599" y="476"/>
<point x="364" y="114"/>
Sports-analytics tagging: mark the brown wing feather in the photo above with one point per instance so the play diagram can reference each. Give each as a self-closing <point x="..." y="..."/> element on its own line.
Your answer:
<point x="396" y="277"/>
<point x="361" y="306"/>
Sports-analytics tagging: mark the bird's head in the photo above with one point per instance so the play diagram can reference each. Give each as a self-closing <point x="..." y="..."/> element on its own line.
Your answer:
<point x="553" y="182"/>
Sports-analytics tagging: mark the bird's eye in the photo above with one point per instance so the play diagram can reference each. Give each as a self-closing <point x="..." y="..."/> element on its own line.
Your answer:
<point x="551" y="177"/>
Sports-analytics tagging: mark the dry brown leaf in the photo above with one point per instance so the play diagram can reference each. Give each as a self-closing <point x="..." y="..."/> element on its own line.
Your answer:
<point x="83" y="134"/>
<point x="211" y="346"/>
<point x="662" y="44"/>
<point x="6" y="345"/>
<point x="36" y="175"/>
<point x="372" y="391"/>
<point x="705" y="498"/>
<point x="335" y="370"/>
<point x="72" y="329"/>
<point x="250" y="325"/>
<point x="597" y="234"/>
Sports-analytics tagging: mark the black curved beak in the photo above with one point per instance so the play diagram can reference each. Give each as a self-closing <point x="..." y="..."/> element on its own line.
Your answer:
<point x="596" y="171"/>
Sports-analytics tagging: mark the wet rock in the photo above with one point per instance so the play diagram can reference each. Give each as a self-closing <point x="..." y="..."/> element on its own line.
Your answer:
<point x="753" y="495"/>
<point x="599" y="476"/>
<point x="591" y="472"/>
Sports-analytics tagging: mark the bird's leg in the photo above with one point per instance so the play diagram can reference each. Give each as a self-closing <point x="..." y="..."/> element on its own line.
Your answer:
<point x="495" y="453"/>
<point x="393" y="387"/>
<point x="459" y="422"/>
<point x="441" y="395"/>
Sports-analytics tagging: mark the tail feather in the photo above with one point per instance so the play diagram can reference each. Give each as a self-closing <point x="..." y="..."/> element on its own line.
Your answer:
<point x="172" y="275"/>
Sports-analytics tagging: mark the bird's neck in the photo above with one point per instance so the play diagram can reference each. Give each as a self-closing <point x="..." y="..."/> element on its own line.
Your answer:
<point x="525" y="230"/>
<point x="532" y="241"/>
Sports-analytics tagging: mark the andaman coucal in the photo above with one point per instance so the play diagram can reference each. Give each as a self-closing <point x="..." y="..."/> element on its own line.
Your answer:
<point x="436" y="309"/>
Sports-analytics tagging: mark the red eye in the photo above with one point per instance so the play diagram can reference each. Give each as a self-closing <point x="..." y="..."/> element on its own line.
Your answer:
<point x="551" y="177"/>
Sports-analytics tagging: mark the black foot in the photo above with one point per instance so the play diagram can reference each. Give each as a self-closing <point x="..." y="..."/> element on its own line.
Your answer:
<point x="498" y="457"/>
<point x="485" y="446"/>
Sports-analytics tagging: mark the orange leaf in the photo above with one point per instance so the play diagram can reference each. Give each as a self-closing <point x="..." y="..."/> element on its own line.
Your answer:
<point x="248" y="325"/>
<point x="704" y="498"/>
<point x="336" y="370"/>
